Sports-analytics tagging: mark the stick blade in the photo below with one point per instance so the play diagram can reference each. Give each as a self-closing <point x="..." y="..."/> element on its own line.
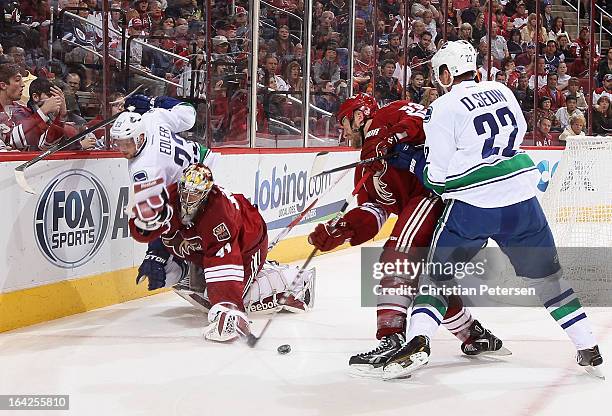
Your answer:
<point x="319" y="163"/>
<point x="22" y="182"/>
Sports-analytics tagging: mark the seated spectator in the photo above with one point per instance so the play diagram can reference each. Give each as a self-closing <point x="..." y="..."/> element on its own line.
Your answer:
<point x="500" y="77"/>
<point x="520" y="17"/>
<point x="73" y="85"/>
<point x="19" y="57"/>
<point x="430" y="95"/>
<point x="515" y="44"/>
<point x="605" y="67"/>
<point x="527" y="58"/>
<point x="470" y="14"/>
<point x="416" y="90"/>
<point x="478" y="28"/>
<point x="523" y="94"/>
<point x="418" y="9"/>
<point x="544" y="110"/>
<point x="393" y="45"/>
<point x="282" y="44"/>
<point x="502" y="23"/>
<point x="327" y="69"/>
<point x="364" y="66"/>
<point x="564" y="114"/>
<point x="420" y="53"/>
<point x="221" y="48"/>
<point x="575" y="128"/>
<point x="512" y="74"/>
<point x="271" y="66"/>
<point x="388" y="87"/>
<point x="565" y="49"/>
<point x="327" y="100"/>
<point x="580" y="67"/>
<point x="140" y="11"/>
<point x="563" y="76"/>
<point x="116" y="101"/>
<point x="550" y="90"/>
<point x="547" y="17"/>
<point x="499" y="46"/>
<point x="551" y="56"/>
<point x="528" y="33"/>
<point x="602" y="117"/>
<point x="541" y="75"/>
<point x="573" y="88"/>
<point x="401" y="69"/>
<point x="430" y="24"/>
<point x="465" y="33"/>
<point x="362" y="36"/>
<point x="542" y="136"/>
<point x="558" y="29"/>
<point x="29" y="128"/>
<point x="604" y="90"/>
<point x="155" y="14"/>
<point x="293" y="75"/>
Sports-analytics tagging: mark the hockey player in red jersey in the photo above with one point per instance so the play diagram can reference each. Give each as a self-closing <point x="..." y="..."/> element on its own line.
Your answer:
<point x="223" y="234"/>
<point x="390" y="190"/>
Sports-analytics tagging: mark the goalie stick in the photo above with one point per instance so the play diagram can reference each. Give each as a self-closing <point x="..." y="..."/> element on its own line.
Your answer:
<point x="251" y="339"/>
<point x="20" y="170"/>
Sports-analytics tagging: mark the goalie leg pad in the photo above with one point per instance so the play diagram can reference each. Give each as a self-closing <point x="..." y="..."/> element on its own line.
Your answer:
<point x="227" y="323"/>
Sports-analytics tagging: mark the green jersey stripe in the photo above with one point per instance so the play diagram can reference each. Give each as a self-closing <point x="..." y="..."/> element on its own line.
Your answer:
<point x="203" y="152"/>
<point x="518" y="162"/>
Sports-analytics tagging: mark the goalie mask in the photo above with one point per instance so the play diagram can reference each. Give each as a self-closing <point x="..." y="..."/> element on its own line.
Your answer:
<point x="128" y="134"/>
<point x="194" y="187"/>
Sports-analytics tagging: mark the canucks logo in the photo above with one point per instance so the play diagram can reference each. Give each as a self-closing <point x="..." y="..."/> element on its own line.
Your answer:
<point x="545" y="174"/>
<point x="72" y="218"/>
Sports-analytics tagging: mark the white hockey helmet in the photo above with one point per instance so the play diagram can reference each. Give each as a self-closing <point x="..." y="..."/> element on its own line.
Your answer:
<point x="458" y="56"/>
<point x="129" y="126"/>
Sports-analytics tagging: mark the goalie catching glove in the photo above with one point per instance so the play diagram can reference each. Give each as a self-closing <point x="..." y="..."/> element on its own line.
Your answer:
<point x="148" y="205"/>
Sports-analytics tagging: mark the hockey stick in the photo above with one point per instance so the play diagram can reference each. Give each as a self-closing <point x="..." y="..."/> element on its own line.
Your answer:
<point x="359" y="163"/>
<point x="20" y="170"/>
<point x="252" y="340"/>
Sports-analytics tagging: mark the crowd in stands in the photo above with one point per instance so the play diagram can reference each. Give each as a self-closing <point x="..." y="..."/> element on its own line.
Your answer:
<point x="66" y="52"/>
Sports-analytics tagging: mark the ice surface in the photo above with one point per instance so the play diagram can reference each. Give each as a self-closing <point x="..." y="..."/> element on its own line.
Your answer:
<point x="147" y="357"/>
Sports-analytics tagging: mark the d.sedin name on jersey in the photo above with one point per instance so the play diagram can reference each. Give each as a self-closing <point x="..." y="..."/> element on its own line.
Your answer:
<point x="73" y="215"/>
<point x="483" y="99"/>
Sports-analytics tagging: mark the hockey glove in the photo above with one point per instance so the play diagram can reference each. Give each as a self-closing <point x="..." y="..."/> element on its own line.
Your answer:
<point x="153" y="267"/>
<point x="325" y="237"/>
<point x="378" y="145"/>
<point x="410" y="158"/>
<point x="141" y="103"/>
<point x="149" y="204"/>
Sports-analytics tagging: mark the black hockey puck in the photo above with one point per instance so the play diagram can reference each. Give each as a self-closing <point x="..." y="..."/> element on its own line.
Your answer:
<point x="284" y="349"/>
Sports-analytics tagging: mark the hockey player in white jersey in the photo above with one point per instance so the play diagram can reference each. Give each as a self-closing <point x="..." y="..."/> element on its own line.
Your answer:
<point x="473" y="160"/>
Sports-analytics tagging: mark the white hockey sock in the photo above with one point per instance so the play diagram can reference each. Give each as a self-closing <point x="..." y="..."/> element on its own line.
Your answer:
<point x="561" y="302"/>
<point x="426" y="316"/>
<point x="459" y="324"/>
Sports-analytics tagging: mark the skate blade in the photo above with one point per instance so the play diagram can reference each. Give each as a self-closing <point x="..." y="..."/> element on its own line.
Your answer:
<point x="595" y="372"/>
<point x="396" y="370"/>
<point x="365" y="371"/>
<point x="502" y="352"/>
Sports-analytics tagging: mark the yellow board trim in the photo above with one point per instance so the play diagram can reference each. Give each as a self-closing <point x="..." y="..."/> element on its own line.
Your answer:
<point x="56" y="300"/>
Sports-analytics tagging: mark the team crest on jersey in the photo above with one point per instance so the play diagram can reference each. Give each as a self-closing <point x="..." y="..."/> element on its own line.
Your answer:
<point x="428" y="114"/>
<point x="181" y="246"/>
<point x="140" y="176"/>
<point x="385" y="197"/>
<point x="221" y="232"/>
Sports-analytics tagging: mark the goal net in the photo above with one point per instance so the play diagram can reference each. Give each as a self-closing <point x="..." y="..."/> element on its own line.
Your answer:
<point x="578" y="206"/>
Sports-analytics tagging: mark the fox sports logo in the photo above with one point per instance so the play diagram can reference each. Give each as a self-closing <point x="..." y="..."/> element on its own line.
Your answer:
<point x="72" y="218"/>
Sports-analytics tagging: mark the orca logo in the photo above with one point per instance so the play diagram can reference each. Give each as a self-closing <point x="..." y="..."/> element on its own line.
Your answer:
<point x="545" y="173"/>
<point x="72" y="218"/>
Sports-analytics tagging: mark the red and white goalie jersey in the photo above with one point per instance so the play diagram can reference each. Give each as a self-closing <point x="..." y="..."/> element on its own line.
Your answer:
<point x="228" y="239"/>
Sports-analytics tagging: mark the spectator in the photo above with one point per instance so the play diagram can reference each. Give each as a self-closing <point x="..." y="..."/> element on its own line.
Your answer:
<point x="394" y="44"/>
<point x="515" y="44"/>
<point x="542" y="136"/>
<point x="544" y="110"/>
<point x="547" y="17"/>
<point x="580" y="67"/>
<point x="430" y="95"/>
<point x="478" y="28"/>
<point x="327" y="69"/>
<point x="220" y="48"/>
<point x="551" y="56"/>
<point x="528" y="33"/>
<point x="420" y="54"/>
<point x="364" y="65"/>
<point x="73" y="85"/>
<point x="564" y="114"/>
<point x="465" y="33"/>
<point x="557" y="29"/>
<point x="116" y="101"/>
<point x="604" y="90"/>
<point x="22" y="127"/>
<point x="470" y="14"/>
<point x="168" y="26"/>
<point x="240" y="21"/>
<point x="499" y="46"/>
<point x="271" y="66"/>
<point x="605" y="67"/>
<point x="523" y="94"/>
<point x="282" y="44"/>
<point x="573" y="88"/>
<point x="416" y="90"/>
<point x="526" y="59"/>
<point x="575" y="128"/>
<point x="430" y="23"/>
<point x="400" y="68"/>
<point x="419" y="7"/>
<point x="362" y="36"/>
<point x="520" y="17"/>
<point x="502" y="23"/>
<point x="584" y="41"/>
<point x="565" y="49"/>
<point x="550" y="90"/>
<point x="602" y="117"/>
<point x="388" y="87"/>
<point x="19" y="57"/>
<point x="500" y="77"/>
<point x="140" y="11"/>
<point x="541" y="75"/>
<point x="563" y="76"/>
<point x="509" y="68"/>
<point x="327" y="100"/>
<point x="293" y="76"/>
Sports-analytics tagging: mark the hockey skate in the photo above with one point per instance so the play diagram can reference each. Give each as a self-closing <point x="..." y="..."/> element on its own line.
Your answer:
<point x="590" y="359"/>
<point x="370" y="364"/>
<point x="408" y="359"/>
<point x="483" y="342"/>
